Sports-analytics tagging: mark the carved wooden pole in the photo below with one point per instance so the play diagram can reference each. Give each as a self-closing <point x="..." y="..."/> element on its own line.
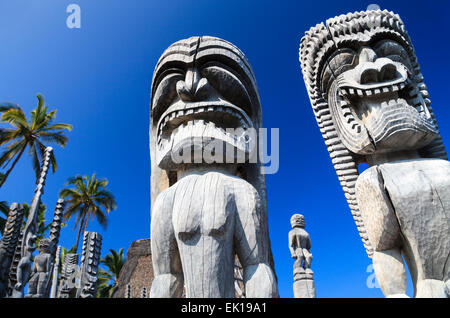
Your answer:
<point x="8" y="244"/>
<point x="55" y="273"/>
<point x="90" y="260"/>
<point x="55" y="229"/>
<point x="70" y="273"/>
<point x="15" y="262"/>
<point x="29" y="232"/>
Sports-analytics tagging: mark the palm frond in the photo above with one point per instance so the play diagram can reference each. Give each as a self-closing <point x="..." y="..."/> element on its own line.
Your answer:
<point x="54" y="137"/>
<point x="40" y="100"/>
<point x="4" y="106"/>
<point x="69" y="193"/>
<point x="35" y="159"/>
<point x="44" y="119"/>
<point x="58" y="127"/>
<point x="71" y="209"/>
<point x="4" y="209"/>
<point x="38" y="114"/>
<point x="105" y="287"/>
<point x="16" y="117"/>
<point x="101" y="218"/>
<point x="12" y="150"/>
<point x="7" y="135"/>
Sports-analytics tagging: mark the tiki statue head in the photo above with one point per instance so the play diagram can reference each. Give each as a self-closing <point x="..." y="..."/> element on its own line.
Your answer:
<point x="205" y="111"/>
<point x="298" y="220"/>
<point x="45" y="246"/>
<point x="203" y="90"/>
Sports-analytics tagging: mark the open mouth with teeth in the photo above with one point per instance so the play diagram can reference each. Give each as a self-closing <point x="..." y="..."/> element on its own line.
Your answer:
<point x="374" y="97"/>
<point x="221" y="115"/>
<point x="371" y="90"/>
<point x="188" y="125"/>
<point x="393" y="112"/>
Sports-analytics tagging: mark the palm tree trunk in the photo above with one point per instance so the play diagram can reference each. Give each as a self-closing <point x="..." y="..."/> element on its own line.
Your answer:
<point x="83" y="226"/>
<point x="80" y="226"/>
<point x="86" y="222"/>
<point x="12" y="166"/>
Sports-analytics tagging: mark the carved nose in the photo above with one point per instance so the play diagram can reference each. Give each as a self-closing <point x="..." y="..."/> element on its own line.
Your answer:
<point x="374" y="69"/>
<point x="193" y="88"/>
<point x="366" y="54"/>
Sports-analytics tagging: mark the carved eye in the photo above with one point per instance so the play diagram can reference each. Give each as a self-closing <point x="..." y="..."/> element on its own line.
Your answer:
<point x="394" y="51"/>
<point x="166" y="92"/>
<point x="227" y="84"/>
<point x="339" y="62"/>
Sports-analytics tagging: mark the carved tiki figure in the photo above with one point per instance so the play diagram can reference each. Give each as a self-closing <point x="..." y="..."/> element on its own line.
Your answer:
<point x="300" y="242"/>
<point x="372" y="106"/>
<point x="300" y="245"/>
<point x="211" y="205"/>
<point x="39" y="283"/>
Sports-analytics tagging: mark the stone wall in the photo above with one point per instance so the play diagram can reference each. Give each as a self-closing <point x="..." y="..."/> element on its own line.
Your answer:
<point x="136" y="271"/>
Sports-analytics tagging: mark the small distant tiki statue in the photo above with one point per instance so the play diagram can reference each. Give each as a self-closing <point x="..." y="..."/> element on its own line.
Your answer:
<point x="208" y="192"/>
<point x="372" y="106"/>
<point x="39" y="283"/>
<point x="300" y="242"/>
<point x="300" y="245"/>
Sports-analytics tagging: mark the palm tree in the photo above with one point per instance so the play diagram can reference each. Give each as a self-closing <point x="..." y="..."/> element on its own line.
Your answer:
<point x="88" y="198"/>
<point x="114" y="263"/>
<point x="4" y="209"/>
<point x="29" y="134"/>
<point x="104" y="288"/>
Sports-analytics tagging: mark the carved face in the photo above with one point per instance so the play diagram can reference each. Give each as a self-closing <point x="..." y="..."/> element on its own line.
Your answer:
<point x="297" y="220"/>
<point x="375" y="100"/>
<point x="45" y="246"/>
<point x="88" y="290"/>
<point x="202" y="91"/>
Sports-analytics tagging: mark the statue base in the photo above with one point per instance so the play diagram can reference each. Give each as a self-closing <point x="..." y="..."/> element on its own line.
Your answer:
<point x="304" y="286"/>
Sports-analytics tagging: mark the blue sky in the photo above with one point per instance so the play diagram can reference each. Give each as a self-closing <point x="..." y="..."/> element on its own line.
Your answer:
<point x="98" y="77"/>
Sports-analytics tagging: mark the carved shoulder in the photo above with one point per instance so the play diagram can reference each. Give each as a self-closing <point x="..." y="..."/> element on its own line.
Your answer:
<point x="246" y="192"/>
<point x="163" y="201"/>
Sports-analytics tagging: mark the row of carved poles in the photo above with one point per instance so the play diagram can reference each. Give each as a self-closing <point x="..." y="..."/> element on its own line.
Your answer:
<point x="17" y="247"/>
